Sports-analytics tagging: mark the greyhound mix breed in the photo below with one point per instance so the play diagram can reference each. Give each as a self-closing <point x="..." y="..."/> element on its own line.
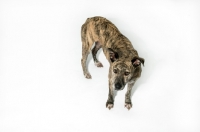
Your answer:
<point x="125" y="64"/>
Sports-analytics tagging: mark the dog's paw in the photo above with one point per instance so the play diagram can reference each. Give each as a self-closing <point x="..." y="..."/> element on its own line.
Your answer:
<point x="98" y="64"/>
<point x="110" y="106"/>
<point x="128" y="105"/>
<point x="88" y="76"/>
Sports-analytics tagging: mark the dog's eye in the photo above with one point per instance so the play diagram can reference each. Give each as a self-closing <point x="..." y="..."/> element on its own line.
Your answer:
<point x="126" y="73"/>
<point x="115" y="70"/>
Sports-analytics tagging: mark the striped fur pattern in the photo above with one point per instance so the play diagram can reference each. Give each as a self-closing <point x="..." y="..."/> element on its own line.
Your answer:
<point x="125" y="63"/>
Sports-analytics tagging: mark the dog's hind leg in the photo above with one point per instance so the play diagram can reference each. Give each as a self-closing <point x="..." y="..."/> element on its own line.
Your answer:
<point x="94" y="52"/>
<point x="85" y="53"/>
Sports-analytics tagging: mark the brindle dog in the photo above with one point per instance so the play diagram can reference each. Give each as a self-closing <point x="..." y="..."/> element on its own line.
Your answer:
<point x="125" y="64"/>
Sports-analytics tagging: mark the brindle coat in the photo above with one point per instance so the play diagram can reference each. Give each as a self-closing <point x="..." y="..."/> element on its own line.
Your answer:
<point x="125" y="64"/>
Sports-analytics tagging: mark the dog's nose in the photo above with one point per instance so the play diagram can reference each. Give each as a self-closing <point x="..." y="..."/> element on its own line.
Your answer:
<point x="118" y="86"/>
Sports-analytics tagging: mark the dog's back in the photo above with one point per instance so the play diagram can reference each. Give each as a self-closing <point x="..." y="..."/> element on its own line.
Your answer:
<point x="99" y="29"/>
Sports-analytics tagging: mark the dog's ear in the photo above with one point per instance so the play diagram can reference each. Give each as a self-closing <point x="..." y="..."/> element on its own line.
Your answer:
<point x="113" y="55"/>
<point x="136" y="61"/>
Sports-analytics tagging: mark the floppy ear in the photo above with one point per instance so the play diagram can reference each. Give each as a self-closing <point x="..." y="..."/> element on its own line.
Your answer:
<point x="113" y="55"/>
<point x="136" y="61"/>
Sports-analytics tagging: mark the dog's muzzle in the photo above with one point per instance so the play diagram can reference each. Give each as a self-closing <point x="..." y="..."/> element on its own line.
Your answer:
<point x="118" y="86"/>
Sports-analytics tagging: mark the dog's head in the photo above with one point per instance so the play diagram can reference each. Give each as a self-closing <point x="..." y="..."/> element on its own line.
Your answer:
<point x="124" y="70"/>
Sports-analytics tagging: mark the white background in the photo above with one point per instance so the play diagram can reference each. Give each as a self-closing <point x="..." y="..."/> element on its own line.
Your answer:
<point x="42" y="88"/>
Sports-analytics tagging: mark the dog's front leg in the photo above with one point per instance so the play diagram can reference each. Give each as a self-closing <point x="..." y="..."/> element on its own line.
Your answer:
<point x="128" y="103"/>
<point x="110" y="101"/>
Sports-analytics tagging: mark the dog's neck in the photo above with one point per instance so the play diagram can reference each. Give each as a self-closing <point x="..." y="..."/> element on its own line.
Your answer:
<point x="131" y="52"/>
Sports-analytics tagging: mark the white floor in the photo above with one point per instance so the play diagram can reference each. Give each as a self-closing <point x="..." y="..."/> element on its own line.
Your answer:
<point x="42" y="88"/>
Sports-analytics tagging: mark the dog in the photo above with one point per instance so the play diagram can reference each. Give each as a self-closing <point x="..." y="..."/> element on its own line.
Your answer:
<point x="125" y="64"/>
